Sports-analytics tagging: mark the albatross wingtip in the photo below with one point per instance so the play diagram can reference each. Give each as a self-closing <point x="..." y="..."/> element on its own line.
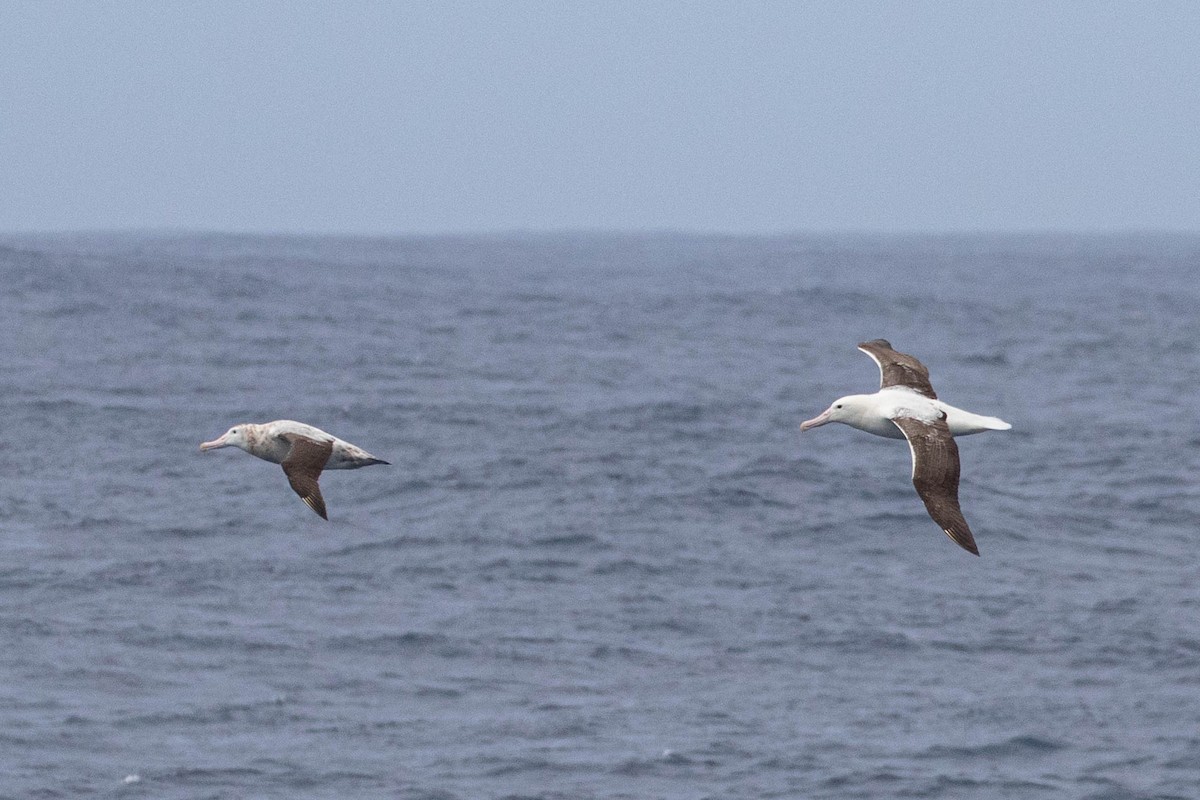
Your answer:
<point x="317" y="505"/>
<point x="964" y="540"/>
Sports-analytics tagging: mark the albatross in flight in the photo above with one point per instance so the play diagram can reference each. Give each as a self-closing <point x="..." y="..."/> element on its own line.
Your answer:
<point x="906" y="407"/>
<point x="301" y="449"/>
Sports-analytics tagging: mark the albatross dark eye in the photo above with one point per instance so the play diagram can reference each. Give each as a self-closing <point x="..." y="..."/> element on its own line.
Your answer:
<point x="839" y="405"/>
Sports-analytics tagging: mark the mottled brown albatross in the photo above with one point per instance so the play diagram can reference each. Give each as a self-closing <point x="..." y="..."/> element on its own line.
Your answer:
<point x="302" y="450"/>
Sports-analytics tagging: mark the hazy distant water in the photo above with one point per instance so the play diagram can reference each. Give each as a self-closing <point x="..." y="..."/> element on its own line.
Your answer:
<point x="605" y="564"/>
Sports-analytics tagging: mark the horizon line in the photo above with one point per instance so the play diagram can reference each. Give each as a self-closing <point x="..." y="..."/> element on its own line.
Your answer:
<point x="599" y="232"/>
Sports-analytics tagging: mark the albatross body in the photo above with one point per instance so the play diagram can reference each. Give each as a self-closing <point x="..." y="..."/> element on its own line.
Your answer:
<point x="302" y="450"/>
<point x="873" y="413"/>
<point x="906" y="407"/>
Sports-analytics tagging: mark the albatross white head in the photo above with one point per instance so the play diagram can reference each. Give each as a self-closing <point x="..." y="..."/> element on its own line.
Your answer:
<point x="851" y="410"/>
<point x="237" y="436"/>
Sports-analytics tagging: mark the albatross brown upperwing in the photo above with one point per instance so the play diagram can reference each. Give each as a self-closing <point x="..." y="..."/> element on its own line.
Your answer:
<point x="935" y="474"/>
<point x="303" y="466"/>
<point x="898" y="369"/>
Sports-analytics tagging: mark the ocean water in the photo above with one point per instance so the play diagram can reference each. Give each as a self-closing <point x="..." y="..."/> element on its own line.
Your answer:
<point x="605" y="563"/>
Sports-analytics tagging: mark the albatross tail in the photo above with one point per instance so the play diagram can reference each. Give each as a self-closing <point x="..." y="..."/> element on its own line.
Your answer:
<point x="964" y="423"/>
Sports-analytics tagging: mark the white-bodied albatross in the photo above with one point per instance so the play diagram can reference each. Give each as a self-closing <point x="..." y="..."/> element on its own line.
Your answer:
<point x="301" y="449"/>
<point x="907" y="407"/>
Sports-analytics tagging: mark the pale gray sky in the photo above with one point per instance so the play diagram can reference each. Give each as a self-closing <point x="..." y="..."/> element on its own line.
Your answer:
<point x="744" y="117"/>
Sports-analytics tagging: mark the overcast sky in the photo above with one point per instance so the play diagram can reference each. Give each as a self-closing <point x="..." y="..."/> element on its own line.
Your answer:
<point x="742" y="117"/>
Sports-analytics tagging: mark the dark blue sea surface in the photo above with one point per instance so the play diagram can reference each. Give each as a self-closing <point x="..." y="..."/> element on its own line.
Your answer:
<point x="605" y="563"/>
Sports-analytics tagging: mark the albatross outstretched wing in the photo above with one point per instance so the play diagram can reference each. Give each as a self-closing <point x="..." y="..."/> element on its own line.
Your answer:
<point x="935" y="474"/>
<point x="303" y="466"/>
<point x="898" y="369"/>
